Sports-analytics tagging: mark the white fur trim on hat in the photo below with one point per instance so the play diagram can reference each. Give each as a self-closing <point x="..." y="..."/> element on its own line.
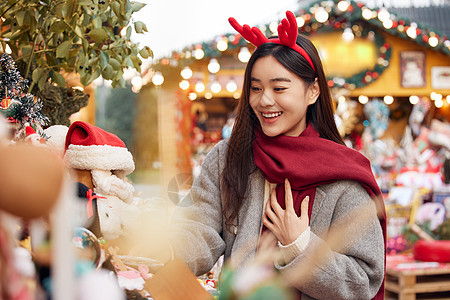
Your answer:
<point x="99" y="157"/>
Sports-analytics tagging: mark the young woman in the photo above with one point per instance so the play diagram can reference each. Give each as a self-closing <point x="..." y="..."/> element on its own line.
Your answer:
<point x="286" y="170"/>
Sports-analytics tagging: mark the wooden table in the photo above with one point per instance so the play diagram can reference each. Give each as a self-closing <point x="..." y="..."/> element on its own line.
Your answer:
<point x="407" y="277"/>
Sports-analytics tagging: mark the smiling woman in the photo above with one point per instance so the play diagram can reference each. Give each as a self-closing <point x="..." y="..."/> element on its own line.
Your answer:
<point x="286" y="172"/>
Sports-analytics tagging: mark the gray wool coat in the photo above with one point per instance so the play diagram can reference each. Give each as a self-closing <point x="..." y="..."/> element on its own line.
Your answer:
<point x="348" y="264"/>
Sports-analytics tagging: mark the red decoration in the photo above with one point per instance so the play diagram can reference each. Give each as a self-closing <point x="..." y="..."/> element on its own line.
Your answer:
<point x="350" y="8"/>
<point x="425" y="38"/>
<point x="432" y="251"/>
<point x="401" y="22"/>
<point x="360" y="4"/>
<point x="330" y="83"/>
<point x="337" y="25"/>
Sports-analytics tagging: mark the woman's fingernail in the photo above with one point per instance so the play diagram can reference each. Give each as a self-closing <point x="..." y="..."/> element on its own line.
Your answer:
<point x="307" y="198"/>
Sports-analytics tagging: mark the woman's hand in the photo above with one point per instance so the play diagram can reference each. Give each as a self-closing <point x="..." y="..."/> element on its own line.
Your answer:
<point x="284" y="223"/>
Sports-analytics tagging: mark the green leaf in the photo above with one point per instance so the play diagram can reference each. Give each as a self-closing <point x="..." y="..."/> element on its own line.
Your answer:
<point x="116" y="8"/>
<point x="103" y="60"/>
<point x="128" y="36"/>
<point x="108" y="72"/>
<point x="42" y="82"/>
<point x="114" y="63"/>
<point x="26" y="51"/>
<point x="20" y="15"/>
<point x="37" y="74"/>
<point x="98" y="35"/>
<point x="137" y="6"/>
<point x="59" y="79"/>
<point x="78" y="31"/>
<point x="128" y="62"/>
<point x="63" y="49"/>
<point x="58" y="26"/>
<point x="94" y="76"/>
<point x="146" y="52"/>
<point x="140" y="27"/>
<point x="93" y="61"/>
<point x="68" y="9"/>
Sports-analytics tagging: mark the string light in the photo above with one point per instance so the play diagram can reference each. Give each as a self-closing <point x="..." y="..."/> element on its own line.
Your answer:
<point x="433" y="41"/>
<point x="199" y="87"/>
<point x="186" y="73"/>
<point x="216" y="87"/>
<point x="414" y="99"/>
<point x="208" y="95"/>
<point x="388" y="24"/>
<point x="231" y="86"/>
<point x="363" y="99"/>
<point x="341" y="99"/>
<point x="273" y="26"/>
<point x="321" y="15"/>
<point x="244" y="55"/>
<point x="184" y="84"/>
<point x="300" y="22"/>
<point x="236" y="95"/>
<point x="366" y="13"/>
<point x="199" y="53"/>
<point x="388" y="100"/>
<point x="348" y="35"/>
<point x="383" y="15"/>
<point x="412" y="31"/>
<point x="439" y="103"/>
<point x="158" y="78"/>
<point x="213" y="66"/>
<point x="222" y="44"/>
<point x="192" y="96"/>
<point x="343" y="5"/>
<point x="448" y="99"/>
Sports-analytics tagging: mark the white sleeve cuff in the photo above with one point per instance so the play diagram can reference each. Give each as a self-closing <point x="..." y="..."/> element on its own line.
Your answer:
<point x="291" y="251"/>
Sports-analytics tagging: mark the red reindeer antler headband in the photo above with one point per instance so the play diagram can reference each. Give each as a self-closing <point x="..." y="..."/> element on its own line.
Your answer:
<point x="287" y="35"/>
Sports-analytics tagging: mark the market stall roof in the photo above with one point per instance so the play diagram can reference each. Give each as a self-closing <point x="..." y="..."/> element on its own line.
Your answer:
<point x="437" y="17"/>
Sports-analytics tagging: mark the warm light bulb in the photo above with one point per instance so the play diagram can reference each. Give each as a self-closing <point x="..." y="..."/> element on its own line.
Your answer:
<point x="439" y="103"/>
<point x="208" y="95"/>
<point x="300" y="22"/>
<point x="184" y="84"/>
<point x="222" y="44"/>
<point x="383" y="14"/>
<point x="341" y="99"/>
<point x="366" y="13"/>
<point x="433" y="41"/>
<point x="199" y="87"/>
<point x="388" y="100"/>
<point x="192" y="96"/>
<point x="231" y="86"/>
<point x="348" y="35"/>
<point x="388" y="24"/>
<point x="414" y="99"/>
<point x="321" y="15"/>
<point x="199" y="54"/>
<point x="136" y="82"/>
<point x="448" y="99"/>
<point x="363" y="99"/>
<point x="412" y="31"/>
<point x="273" y="26"/>
<point x="186" y="73"/>
<point x="343" y="5"/>
<point x="158" y="78"/>
<point x="236" y="95"/>
<point x="213" y="66"/>
<point x="244" y="55"/>
<point x="216" y="87"/>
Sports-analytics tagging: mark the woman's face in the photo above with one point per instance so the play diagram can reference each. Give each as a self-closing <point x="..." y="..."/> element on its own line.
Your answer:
<point x="279" y="98"/>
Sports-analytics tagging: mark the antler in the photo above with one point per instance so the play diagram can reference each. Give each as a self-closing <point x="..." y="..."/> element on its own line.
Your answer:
<point x="287" y="30"/>
<point x="251" y="34"/>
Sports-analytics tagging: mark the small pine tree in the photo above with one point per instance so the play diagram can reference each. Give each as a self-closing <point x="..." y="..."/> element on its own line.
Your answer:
<point x="17" y="105"/>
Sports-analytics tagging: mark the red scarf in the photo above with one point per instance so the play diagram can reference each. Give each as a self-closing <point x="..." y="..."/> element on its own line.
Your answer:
<point x="298" y="159"/>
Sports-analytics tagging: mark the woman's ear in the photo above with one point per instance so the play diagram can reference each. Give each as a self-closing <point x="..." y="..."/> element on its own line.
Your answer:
<point x="313" y="92"/>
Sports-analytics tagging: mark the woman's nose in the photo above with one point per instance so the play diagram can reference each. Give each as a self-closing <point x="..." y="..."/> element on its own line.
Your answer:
<point x="267" y="99"/>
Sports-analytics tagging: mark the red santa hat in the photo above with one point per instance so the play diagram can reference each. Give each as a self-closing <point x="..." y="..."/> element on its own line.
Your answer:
<point x="89" y="147"/>
<point x="29" y="130"/>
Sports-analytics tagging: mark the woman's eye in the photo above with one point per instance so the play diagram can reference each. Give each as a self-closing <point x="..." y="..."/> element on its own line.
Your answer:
<point x="279" y="89"/>
<point x="255" y="88"/>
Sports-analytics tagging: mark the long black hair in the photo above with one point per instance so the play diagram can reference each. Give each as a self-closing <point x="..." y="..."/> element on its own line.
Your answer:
<point x="239" y="158"/>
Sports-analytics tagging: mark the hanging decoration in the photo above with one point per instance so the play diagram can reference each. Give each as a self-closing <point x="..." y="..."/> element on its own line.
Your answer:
<point x="353" y="18"/>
